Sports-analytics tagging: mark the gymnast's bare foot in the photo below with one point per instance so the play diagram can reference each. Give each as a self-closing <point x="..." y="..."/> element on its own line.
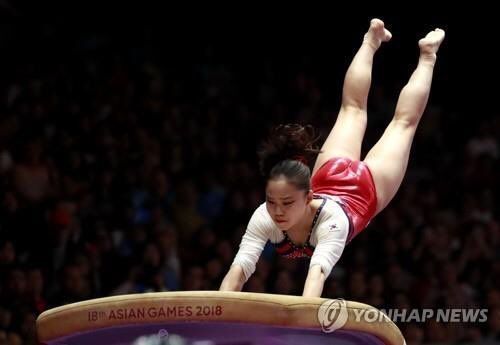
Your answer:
<point x="377" y="34"/>
<point x="429" y="45"/>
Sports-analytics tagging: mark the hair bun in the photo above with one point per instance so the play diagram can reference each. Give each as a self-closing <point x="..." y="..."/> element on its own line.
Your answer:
<point x="288" y="142"/>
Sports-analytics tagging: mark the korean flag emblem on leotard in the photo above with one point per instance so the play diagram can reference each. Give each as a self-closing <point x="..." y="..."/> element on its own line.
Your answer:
<point x="333" y="227"/>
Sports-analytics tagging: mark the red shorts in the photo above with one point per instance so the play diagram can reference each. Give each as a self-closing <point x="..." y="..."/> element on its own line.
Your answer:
<point x="352" y="182"/>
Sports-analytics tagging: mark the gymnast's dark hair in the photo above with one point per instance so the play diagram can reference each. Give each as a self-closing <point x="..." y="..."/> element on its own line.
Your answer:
<point x="287" y="152"/>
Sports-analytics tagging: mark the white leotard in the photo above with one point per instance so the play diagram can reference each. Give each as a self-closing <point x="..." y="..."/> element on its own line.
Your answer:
<point x="328" y="236"/>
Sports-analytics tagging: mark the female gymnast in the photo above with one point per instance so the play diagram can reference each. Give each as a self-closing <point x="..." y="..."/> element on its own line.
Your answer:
<point x="317" y="216"/>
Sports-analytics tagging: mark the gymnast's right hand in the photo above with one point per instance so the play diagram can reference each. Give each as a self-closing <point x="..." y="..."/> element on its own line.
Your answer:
<point x="234" y="279"/>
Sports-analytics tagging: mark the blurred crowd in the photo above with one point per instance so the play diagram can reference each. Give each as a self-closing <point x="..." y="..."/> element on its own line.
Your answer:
<point x="125" y="173"/>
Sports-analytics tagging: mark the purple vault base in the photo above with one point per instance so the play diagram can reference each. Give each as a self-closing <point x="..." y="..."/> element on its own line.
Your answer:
<point x="213" y="333"/>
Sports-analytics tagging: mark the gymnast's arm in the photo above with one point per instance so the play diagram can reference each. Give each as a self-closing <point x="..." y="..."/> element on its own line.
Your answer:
<point x="332" y="236"/>
<point x="251" y="246"/>
<point x="234" y="279"/>
<point x="315" y="280"/>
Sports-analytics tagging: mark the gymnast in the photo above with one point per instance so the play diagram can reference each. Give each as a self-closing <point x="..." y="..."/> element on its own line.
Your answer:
<point x="315" y="214"/>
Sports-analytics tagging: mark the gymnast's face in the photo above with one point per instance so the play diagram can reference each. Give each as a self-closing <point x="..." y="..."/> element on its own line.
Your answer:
<point x="286" y="203"/>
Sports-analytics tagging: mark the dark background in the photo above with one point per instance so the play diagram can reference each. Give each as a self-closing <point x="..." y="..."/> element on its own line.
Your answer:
<point x="128" y="136"/>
